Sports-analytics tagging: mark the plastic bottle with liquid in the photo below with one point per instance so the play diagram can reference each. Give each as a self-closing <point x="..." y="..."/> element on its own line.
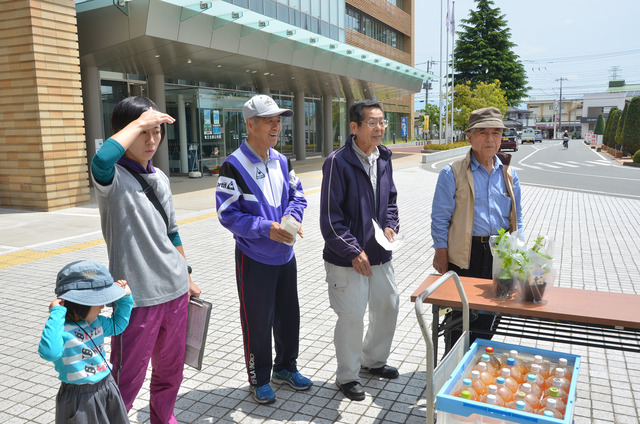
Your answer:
<point x="503" y="391"/>
<point x="562" y="393"/>
<point x="466" y="386"/>
<point x="477" y="384"/>
<point x="493" y="358"/>
<point x="565" y="383"/>
<point x="550" y="405"/>
<point x="536" y="370"/>
<point x="487" y="360"/>
<point x="568" y="371"/>
<point x="544" y="366"/>
<point x="494" y="400"/>
<point x="492" y="396"/>
<point x="471" y="419"/>
<point x="509" y="381"/>
<point x="554" y="393"/>
<point x="524" y="368"/>
<point x="516" y="373"/>
<point x="486" y="376"/>
<point x="518" y="396"/>
<point x="537" y="384"/>
<point x="523" y="406"/>
<point x="531" y="398"/>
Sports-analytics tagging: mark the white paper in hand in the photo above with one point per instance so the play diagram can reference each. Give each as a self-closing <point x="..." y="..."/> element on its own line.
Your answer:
<point x="398" y="240"/>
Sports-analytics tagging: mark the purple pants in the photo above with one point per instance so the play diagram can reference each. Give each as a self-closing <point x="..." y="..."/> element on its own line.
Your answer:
<point x="158" y="333"/>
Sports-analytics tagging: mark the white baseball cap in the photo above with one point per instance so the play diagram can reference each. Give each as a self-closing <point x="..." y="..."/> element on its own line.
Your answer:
<point x="262" y="105"/>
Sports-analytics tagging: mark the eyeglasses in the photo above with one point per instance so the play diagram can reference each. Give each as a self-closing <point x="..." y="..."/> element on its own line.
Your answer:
<point x="372" y="123"/>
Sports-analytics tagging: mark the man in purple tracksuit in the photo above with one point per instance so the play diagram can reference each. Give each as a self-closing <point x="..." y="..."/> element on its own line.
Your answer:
<point x="256" y="189"/>
<point x="357" y="186"/>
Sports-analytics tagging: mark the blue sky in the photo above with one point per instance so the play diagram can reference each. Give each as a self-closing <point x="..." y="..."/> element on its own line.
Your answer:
<point x="584" y="41"/>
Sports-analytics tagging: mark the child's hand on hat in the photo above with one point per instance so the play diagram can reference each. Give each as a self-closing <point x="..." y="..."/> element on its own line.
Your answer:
<point x="56" y="302"/>
<point x="125" y="286"/>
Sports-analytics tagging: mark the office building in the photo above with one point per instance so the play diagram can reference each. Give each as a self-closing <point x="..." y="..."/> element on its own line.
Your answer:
<point x="66" y="64"/>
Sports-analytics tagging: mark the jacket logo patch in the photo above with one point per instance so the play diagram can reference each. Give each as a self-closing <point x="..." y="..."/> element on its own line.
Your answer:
<point x="259" y="174"/>
<point x="226" y="185"/>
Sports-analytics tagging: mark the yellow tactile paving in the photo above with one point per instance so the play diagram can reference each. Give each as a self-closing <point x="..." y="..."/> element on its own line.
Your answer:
<point x="26" y="256"/>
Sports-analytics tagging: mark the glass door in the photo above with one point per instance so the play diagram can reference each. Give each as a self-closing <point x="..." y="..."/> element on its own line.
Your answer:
<point x="234" y="130"/>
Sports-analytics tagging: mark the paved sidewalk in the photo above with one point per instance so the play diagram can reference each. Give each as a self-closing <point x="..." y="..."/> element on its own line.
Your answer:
<point x="597" y="242"/>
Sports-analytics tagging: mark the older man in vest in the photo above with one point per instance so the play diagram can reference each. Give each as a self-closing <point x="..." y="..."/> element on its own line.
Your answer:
<point x="474" y="198"/>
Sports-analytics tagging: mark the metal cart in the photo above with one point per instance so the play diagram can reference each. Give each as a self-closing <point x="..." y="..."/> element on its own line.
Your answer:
<point x="436" y="376"/>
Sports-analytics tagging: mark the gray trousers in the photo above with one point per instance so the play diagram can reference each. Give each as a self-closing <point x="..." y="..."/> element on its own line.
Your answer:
<point x="98" y="403"/>
<point x="349" y="294"/>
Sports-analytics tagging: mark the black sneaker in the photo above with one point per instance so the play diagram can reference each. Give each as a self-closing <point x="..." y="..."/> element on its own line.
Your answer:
<point x="385" y="371"/>
<point x="352" y="390"/>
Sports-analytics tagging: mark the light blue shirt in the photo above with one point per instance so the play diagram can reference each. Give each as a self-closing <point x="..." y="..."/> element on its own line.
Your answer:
<point x="492" y="204"/>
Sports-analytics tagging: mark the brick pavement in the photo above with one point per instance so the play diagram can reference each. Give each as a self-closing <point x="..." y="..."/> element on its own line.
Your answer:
<point x="595" y="238"/>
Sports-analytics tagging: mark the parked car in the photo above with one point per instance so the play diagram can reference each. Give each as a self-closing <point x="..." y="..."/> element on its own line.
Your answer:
<point x="538" y="136"/>
<point x="528" y="135"/>
<point x="509" y="140"/>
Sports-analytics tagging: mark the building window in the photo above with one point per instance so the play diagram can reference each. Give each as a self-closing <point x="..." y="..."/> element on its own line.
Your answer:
<point x="371" y="27"/>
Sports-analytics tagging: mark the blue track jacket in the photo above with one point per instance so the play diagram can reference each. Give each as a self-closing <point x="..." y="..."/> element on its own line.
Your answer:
<point x="347" y="206"/>
<point x="250" y="196"/>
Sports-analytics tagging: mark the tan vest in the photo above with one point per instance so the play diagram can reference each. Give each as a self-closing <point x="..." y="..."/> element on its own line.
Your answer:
<point x="461" y="227"/>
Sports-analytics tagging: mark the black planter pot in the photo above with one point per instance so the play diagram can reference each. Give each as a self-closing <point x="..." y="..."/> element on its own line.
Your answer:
<point x="533" y="292"/>
<point x="503" y="287"/>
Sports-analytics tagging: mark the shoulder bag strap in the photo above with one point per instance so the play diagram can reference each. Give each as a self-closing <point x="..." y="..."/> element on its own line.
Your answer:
<point x="151" y="195"/>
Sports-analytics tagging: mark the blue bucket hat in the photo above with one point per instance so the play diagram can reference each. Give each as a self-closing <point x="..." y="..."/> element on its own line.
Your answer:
<point x="87" y="283"/>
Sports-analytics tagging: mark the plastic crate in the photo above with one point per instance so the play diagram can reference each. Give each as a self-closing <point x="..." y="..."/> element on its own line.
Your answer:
<point x="453" y="410"/>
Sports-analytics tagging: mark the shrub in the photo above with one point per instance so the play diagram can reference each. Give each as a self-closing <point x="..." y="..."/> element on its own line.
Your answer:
<point x="618" y="138"/>
<point x="615" y="119"/>
<point x="599" y="126"/>
<point x="607" y="127"/>
<point x="631" y="130"/>
<point x="446" y="146"/>
<point x="636" y="157"/>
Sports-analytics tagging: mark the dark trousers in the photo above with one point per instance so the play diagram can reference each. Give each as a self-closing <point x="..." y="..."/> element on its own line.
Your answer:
<point x="268" y="302"/>
<point x="480" y="266"/>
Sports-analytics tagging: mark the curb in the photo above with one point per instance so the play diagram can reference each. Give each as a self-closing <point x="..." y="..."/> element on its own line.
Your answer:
<point x="444" y="154"/>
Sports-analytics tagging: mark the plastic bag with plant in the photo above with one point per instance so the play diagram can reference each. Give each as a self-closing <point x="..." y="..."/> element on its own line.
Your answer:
<point x="541" y="274"/>
<point x="509" y="262"/>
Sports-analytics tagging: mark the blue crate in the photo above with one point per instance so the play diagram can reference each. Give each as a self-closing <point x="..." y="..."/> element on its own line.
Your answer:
<point x="453" y="410"/>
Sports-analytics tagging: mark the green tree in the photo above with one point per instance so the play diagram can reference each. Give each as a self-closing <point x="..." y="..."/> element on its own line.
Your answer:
<point x="609" y="128"/>
<point x="623" y="116"/>
<point x="631" y="132"/>
<point x="468" y="99"/>
<point x="484" y="52"/>
<point x="614" y="128"/>
<point x="599" y="130"/>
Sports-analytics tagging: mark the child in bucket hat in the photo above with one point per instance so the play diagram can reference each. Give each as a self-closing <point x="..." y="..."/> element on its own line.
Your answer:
<point x="73" y="339"/>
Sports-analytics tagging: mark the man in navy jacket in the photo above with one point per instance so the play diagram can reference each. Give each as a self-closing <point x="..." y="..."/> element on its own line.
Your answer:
<point x="357" y="187"/>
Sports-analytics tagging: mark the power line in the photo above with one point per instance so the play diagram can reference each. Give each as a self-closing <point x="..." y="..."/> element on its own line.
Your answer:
<point x="594" y="56"/>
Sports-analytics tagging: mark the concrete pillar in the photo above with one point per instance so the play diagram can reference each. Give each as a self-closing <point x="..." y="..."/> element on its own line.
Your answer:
<point x="195" y="124"/>
<point x="349" y="102"/>
<point x="327" y="124"/>
<point x="299" y="142"/>
<point x="92" y="104"/>
<point x="182" y="131"/>
<point x="157" y="94"/>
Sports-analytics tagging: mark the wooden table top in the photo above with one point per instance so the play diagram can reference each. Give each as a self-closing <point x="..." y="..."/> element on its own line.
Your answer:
<point x="559" y="303"/>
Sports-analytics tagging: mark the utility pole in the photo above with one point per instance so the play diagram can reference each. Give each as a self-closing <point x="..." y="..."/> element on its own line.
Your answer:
<point x="426" y="96"/>
<point x="560" y="113"/>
